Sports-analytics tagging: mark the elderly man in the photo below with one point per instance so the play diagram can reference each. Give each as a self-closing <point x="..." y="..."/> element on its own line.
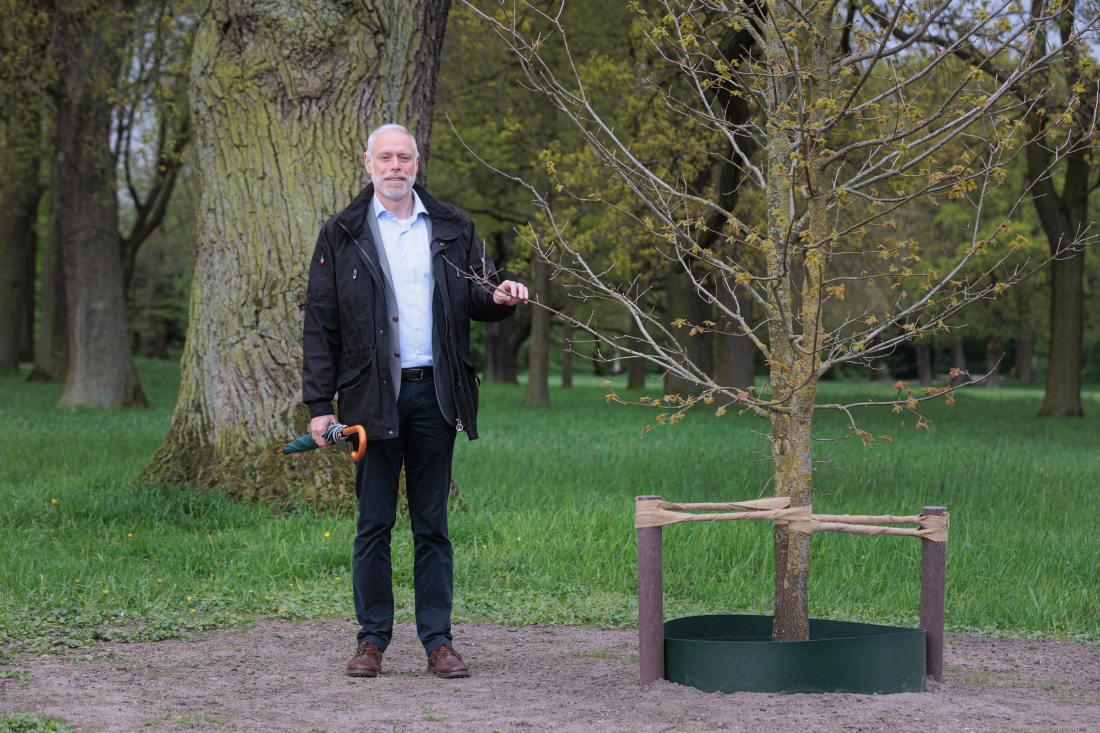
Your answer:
<point x="394" y="281"/>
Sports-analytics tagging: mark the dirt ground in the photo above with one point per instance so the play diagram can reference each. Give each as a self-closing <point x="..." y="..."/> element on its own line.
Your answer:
<point x="281" y="676"/>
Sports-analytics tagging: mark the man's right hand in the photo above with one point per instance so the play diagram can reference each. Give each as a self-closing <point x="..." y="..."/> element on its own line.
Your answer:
<point x="318" y="426"/>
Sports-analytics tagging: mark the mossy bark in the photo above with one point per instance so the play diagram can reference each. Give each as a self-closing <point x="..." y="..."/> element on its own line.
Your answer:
<point x="283" y="95"/>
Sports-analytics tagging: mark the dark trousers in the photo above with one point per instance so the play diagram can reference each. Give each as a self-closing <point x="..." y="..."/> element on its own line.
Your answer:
<point x="426" y="445"/>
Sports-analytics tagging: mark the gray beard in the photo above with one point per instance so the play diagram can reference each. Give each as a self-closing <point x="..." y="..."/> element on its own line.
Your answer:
<point x="389" y="190"/>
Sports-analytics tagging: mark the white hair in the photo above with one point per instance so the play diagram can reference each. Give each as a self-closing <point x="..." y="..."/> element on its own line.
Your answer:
<point x="391" y="127"/>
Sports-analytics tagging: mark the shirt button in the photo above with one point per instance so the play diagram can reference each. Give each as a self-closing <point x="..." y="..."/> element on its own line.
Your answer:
<point x="395" y="319"/>
<point x="397" y="353"/>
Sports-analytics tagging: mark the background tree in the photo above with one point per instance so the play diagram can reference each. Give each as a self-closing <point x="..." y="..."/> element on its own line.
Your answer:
<point x="283" y="102"/>
<point x="24" y="70"/>
<point x="845" y="149"/>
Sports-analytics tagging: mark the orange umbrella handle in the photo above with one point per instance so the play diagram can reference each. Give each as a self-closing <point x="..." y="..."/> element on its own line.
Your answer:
<point x="358" y="454"/>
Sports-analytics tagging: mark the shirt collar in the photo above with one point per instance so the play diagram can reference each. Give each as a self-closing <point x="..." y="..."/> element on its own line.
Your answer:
<point x="380" y="210"/>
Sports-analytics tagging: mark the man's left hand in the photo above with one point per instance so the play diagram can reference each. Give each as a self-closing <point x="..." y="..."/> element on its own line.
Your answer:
<point x="510" y="293"/>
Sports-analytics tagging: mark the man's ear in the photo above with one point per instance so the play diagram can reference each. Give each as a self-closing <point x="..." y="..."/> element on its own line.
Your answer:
<point x="366" y="163"/>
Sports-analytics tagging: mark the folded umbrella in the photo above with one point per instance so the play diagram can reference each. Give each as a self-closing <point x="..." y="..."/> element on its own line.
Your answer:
<point x="336" y="433"/>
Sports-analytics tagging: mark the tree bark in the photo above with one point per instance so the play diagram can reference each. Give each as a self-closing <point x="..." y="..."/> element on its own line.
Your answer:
<point x="282" y="103"/>
<point x="924" y="364"/>
<point x="51" y="355"/>
<point x="538" y="346"/>
<point x="19" y="195"/>
<point x="1025" y="342"/>
<point x="88" y="45"/>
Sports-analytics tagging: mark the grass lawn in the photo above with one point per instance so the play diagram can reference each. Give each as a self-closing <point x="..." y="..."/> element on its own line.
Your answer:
<point x="548" y="534"/>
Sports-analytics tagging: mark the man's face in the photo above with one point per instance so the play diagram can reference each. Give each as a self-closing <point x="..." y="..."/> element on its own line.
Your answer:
<point x="392" y="164"/>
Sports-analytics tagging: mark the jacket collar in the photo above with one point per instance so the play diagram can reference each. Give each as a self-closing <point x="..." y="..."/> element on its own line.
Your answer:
<point x="446" y="223"/>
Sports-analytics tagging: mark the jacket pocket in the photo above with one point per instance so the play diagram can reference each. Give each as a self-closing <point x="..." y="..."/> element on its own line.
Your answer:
<point x="353" y="364"/>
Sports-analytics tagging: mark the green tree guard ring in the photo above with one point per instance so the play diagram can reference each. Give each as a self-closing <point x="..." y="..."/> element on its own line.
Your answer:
<point x="732" y="653"/>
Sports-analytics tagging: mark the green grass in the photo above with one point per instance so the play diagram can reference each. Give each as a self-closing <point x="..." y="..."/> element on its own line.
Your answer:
<point x="548" y="535"/>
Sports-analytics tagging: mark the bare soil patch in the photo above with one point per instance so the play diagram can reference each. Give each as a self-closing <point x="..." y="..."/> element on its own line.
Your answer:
<point x="282" y="676"/>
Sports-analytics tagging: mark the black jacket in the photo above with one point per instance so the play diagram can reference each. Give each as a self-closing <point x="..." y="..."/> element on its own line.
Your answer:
<point x="346" y="332"/>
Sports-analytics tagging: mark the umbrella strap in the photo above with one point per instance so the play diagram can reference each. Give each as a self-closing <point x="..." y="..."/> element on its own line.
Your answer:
<point x="335" y="433"/>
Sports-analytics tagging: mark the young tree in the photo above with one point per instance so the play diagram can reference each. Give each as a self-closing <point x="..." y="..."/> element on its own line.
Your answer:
<point x="853" y="126"/>
<point x="283" y="102"/>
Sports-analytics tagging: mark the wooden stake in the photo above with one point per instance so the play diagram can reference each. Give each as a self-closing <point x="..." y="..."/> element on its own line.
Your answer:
<point x="651" y="603"/>
<point x="933" y="588"/>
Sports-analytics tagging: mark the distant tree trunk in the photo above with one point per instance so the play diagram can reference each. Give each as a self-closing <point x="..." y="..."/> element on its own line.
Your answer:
<point x="738" y="352"/>
<point x="671" y="383"/>
<point x="500" y="357"/>
<point x="924" y="363"/>
<point x="51" y="356"/>
<point x="567" y="344"/>
<point x="1064" y="217"/>
<point x="958" y="361"/>
<point x="282" y="103"/>
<point x="993" y="352"/>
<point x="1067" y="324"/>
<point x="89" y="43"/>
<point x="1025" y="342"/>
<point x="538" y="346"/>
<point x="636" y="365"/>
<point x="19" y="195"/>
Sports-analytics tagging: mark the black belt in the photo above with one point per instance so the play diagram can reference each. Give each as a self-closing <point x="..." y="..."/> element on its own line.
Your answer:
<point x="415" y="374"/>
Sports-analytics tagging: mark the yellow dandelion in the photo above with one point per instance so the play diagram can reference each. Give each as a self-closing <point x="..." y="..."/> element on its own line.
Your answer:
<point x="326" y="534"/>
<point x="188" y="597"/>
<point x="159" y="580"/>
<point x="130" y="535"/>
<point x="104" y="592"/>
<point x="337" y="578"/>
<point x="53" y="501"/>
<point x="267" y="598"/>
<point x="192" y="610"/>
<point x="78" y="581"/>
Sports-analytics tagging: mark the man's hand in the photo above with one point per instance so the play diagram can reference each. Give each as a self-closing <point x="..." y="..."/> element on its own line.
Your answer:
<point x="510" y="293"/>
<point x="318" y="426"/>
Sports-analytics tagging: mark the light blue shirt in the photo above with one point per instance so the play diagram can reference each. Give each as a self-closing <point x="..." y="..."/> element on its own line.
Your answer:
<point x="409" y="253"/>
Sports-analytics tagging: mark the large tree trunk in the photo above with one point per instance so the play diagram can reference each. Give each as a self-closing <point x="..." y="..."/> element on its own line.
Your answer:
<point x="89" y="43"/>
<point x="282" y="102"/>
<point x="51" y="355"/>
<point x="19" y="195"/>
<point x="538" y="347"/>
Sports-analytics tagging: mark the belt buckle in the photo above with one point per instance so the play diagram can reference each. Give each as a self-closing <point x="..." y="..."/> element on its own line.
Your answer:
<point x="419" y="374"/>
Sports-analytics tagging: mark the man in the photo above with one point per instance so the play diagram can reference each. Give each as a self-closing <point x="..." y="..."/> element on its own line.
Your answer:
<point x="394" y="281"/>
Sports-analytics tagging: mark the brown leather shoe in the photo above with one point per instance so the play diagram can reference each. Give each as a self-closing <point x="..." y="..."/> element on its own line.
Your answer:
<point x="445" y="662"/>
<point x="367" y="661"/>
